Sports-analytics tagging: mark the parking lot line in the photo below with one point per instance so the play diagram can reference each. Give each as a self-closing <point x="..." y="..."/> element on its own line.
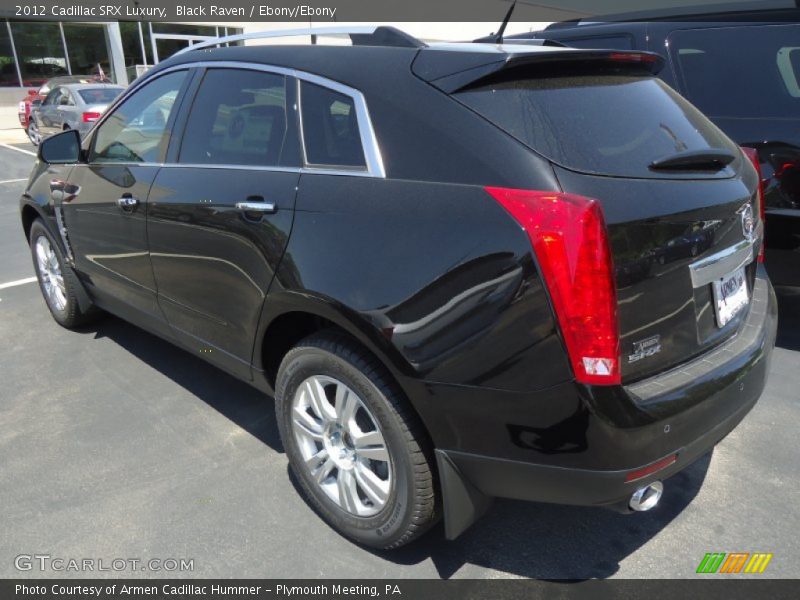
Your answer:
<point x="17" y="282"/>
<point x="13" y="180"/>
<point x="10" y="147"/>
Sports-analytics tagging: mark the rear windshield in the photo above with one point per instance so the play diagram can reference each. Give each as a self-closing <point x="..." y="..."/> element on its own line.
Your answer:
<point x="606" y="124"/>
<point x="740" y="72"/>
<point x="99" y="95"/>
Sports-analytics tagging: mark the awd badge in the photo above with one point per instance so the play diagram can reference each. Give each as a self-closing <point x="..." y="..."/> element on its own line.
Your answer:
<point x="644" y="348"/>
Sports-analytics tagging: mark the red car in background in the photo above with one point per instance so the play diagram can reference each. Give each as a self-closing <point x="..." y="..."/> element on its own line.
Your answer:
<point x="35" y="97"/>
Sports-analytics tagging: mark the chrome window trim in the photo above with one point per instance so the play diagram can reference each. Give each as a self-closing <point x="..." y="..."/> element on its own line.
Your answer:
<point x="369" y="141"/>
<point x="275" y="169"/>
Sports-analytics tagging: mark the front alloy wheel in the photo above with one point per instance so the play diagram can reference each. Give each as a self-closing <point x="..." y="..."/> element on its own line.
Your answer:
<point x="58" y="282"/>
<point x="50" y="274"/>
<point x="342" y="445"/>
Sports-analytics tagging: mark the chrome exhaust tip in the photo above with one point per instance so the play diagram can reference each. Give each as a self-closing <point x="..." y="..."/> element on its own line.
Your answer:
<point x="646" y="497"/>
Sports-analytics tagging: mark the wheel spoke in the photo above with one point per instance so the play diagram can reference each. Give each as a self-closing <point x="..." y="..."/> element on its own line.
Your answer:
<point x="315" y="461"/>
<point x="325" y="470"/>
<point x="374" y="453"/>
<point x="370" y="445"/>
<point x="348" y="496"/>
<point x="317" y="400"/>
<point x="363" y="440"/>
<point x="373" y="486"/>
<point x="346" y="405"/>
<point x="306" y="424"/>
<point x="41" y="255"/>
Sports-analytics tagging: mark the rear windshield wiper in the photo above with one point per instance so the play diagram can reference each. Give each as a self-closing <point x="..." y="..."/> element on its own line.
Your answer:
<point x="712" y="159"/>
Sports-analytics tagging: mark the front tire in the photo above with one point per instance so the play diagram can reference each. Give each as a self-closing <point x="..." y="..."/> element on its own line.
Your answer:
<point x="359" y="453"/>
<point x="57" y="281"/>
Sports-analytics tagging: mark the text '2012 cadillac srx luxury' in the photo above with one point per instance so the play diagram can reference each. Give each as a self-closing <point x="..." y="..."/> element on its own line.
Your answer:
<point x="464" y="271"/>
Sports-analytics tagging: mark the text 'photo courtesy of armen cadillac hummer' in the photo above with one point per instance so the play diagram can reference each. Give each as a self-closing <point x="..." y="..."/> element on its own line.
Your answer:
<point x="520" y="270"/>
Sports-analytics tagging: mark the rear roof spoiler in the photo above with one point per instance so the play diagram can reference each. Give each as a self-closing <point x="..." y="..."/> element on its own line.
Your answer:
<point x="452" y="71"/>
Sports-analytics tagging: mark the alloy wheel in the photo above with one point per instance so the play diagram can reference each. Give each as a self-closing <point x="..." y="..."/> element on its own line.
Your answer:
<point x="342" y="445"/>
<point x="50" y="274"/>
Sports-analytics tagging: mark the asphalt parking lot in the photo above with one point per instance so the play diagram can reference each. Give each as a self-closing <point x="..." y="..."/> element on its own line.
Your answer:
<point x="115" y="444"/>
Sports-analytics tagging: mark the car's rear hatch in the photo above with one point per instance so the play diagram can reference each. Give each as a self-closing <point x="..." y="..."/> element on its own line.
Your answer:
<point x="675" y="190"/>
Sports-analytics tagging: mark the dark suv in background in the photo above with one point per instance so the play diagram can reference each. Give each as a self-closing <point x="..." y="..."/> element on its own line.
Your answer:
<point x="741" y="68"/>
<point x="463" y="270"/>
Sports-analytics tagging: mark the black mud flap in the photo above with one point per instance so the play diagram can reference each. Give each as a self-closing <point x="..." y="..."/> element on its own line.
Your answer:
<point x="463" y="503"/>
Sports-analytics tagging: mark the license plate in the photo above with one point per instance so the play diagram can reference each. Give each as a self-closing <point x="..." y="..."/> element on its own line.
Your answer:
<point x="730" y="296"/>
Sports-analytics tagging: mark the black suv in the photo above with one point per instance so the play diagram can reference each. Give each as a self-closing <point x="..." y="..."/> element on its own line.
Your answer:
<point x="742" y="69"/>
<point x="464" y="271"/>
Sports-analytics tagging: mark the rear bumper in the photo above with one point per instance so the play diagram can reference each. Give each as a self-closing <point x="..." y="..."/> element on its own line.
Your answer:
<point x="685" y="411"/>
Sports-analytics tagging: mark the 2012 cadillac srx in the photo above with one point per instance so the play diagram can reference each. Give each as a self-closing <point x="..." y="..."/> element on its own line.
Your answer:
<point x="464" y="271"/>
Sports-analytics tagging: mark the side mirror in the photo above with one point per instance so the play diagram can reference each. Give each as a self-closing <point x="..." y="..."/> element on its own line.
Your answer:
<point x="61" y="149"/>
<point x="36" y="103"/>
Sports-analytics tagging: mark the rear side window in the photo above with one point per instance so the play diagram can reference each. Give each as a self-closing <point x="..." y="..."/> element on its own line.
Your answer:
<point x="99" y="95"/>
<point x="237" y="118"/>
<point x="609" y="124"/>
<point x="330" y="128"/>
<point x="740" y="72"/>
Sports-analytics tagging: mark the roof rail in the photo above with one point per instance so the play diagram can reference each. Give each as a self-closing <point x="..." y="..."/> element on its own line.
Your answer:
<point x="360" y="35"/>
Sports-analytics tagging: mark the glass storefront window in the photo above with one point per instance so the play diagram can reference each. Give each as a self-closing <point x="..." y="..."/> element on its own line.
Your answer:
<point x="88" y="49"/>
<point x="204" y="30"/>
<point x="40" y="48"/>
<point x="40" y="51"/>
<point x="8" y="68"/>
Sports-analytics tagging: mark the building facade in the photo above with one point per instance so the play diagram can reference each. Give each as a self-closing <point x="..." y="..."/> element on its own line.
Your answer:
<point x="33" y="51"/>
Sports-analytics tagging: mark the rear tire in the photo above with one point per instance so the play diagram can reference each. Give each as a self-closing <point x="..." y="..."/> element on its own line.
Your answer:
<point x="57" y="281"/>
<point x="359" y="453"/>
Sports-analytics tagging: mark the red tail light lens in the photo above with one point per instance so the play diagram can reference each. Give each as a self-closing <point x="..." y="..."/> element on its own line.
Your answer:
<point x="90" y="117"/>
<point x="752" y="154"/>
<point x="570" y="241"/>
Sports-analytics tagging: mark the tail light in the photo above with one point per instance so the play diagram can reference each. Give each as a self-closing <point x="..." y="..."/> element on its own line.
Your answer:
<point x="90" y="117"/>
<point x="752" y="154"/>
<point x="570" y="241"/>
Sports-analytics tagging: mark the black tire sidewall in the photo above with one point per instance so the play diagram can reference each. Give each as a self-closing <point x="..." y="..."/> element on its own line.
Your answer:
<point x="383" y="529"/>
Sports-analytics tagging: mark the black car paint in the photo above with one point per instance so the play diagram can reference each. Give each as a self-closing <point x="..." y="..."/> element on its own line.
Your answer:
<point x="468" y="332"/>
<point x="777" y="143"/>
